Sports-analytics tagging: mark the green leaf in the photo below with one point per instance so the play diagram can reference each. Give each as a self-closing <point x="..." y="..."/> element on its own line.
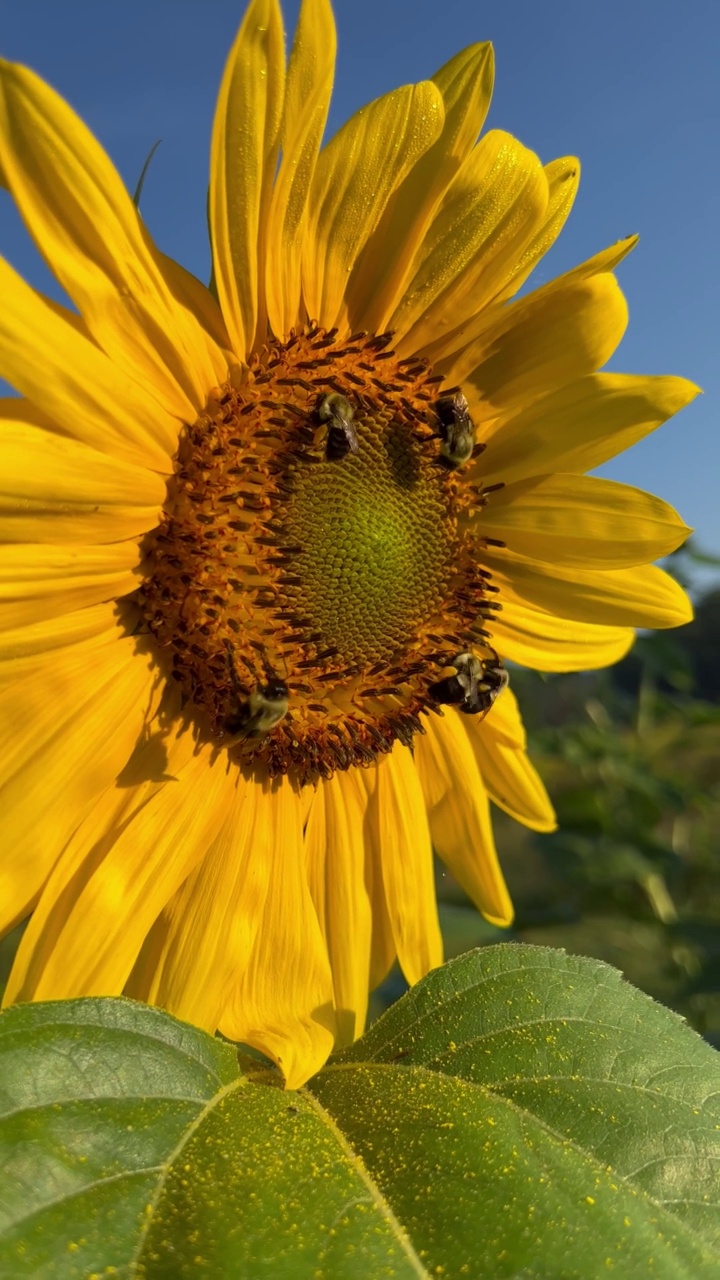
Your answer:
<point x="131" y="1141"/>
<point x="519" y="1113"/>
<point x="585" y="1117"/>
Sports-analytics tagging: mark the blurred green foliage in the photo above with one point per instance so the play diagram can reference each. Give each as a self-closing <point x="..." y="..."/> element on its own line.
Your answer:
<point x="631" y="758"/>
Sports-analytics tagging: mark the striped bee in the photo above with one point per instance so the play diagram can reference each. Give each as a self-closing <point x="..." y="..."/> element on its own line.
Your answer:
<point x="474" y="687"/>
<point x="457" y="429"/>
<point x="342" y="438"/>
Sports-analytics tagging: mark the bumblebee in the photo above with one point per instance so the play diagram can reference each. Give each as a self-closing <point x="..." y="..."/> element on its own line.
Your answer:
<point x="474" y="687"/>
<point x="457" y="429"/>
<point x="342" y="438"/>
<point x="259" y="712"/>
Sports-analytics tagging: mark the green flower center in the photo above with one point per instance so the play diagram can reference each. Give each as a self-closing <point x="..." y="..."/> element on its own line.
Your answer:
<point x="377" y="543"/>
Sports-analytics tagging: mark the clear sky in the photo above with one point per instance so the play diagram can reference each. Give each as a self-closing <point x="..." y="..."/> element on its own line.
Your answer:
<point x="629" y="86"/>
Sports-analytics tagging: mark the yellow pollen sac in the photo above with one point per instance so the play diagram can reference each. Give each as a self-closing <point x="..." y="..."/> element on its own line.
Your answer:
<point x="315" y="572"/>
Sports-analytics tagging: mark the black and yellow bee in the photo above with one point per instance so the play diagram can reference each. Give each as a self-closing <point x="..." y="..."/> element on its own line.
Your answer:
<point x="342" y="437"/>
<point x="457" y="429"/>
<point x="259" y="711"/>
<point x="474" y="687"/>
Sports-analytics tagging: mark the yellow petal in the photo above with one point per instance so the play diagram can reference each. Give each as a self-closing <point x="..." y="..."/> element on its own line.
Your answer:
<point x="460" y="350"/>
<point x="336" y="858"/>
<point x="357" y="173"/>
<point x="209" y="925"/>
<point x="85" y="224"/>
<point x="466" y="84"/>
<point x="460" y="820"/>
<point x="315" y="829"/>
<point x="23" y="649"/>
<point x="403" y="835"/>
<point x="149" y="960"/>
<point x="19" y="409"/>
<point x="125" y="880"/>
<point x="211" y="335"/>
<point x="362" y="784"/>
<point x="546" y="643"/>
<point x="383" y="952"/>
<point x="606" y="260"/>
<point x="510" y="779"/>
<point x="381" y="273"/>
<point x="483" y="224"/>
<point x="151" y="762"/>
<point x="39" y="581"/>
<point x="282" y="1002"/>
<point x="582" y="425"/>
<point x="507" y="723"/>
<point x="47" y="359"/>
<point x="245" y="141"/>
<point x="307" y="99"/>
<point x="539" y="343"/>
<point x="563" y="179"/>
<point x="67" y="730"/>
<point x="582" y="522"/>
<point x="53" y="489"/>
<point x="644" y="596"/>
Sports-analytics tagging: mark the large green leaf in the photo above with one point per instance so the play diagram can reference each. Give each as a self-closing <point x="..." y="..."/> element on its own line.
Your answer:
<point x="518" y="1113"/>
<point x="131" y="1141"/>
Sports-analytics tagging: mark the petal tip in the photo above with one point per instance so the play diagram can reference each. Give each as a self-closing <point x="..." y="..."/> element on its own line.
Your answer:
<point x="676" y="393"/>
<point x="564" y="168"/>
<point x="543" y="825"/>
<point x="503" y="920"/>
<point x="680" y="611"/>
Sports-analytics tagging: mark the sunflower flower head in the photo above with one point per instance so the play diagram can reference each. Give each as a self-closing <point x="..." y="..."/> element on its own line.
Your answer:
<point x="267" y="548"/>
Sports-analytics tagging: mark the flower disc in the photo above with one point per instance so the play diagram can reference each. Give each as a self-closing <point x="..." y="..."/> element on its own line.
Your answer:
<point x="341" y="570"/>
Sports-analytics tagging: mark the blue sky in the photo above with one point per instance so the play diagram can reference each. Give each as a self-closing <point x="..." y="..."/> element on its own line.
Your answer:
<point x="630" y="87"/>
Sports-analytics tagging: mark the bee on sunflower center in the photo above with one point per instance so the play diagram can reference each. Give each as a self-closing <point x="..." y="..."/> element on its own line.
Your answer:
<point x="474" y="687"/>
<point x="457" y="429"/>
<point x="342" y="438"/>
<point x="259" y="711"/>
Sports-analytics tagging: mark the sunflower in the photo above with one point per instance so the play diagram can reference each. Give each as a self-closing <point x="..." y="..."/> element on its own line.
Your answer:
<point x="267" y="546"/>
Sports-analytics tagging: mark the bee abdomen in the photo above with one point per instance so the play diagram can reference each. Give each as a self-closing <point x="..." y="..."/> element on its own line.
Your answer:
<point x="338" y="445"/>
<point x="449" y="691"/>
